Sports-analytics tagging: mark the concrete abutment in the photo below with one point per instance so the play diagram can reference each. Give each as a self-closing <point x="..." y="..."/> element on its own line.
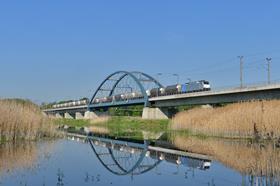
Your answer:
<point x="157" y="113"/>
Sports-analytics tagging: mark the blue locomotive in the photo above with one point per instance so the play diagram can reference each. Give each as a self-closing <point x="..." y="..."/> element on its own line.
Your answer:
<point x="194" y="86"/>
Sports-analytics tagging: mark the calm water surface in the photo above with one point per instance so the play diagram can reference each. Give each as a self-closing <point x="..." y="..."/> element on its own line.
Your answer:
<point x="107" y="161"/>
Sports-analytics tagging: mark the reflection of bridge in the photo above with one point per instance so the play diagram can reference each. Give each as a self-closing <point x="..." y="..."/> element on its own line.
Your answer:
<point x="129" y="88"/>
<point x="131" y="158"/>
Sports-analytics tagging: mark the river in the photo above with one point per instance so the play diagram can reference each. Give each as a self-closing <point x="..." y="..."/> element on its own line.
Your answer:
<point x="106" y="160"/>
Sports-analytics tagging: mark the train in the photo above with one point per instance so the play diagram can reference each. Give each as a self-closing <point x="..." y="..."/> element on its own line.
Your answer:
<point x="80" y="102"/>
<point x="193" y="86"/>
<point x="118" y="97"/>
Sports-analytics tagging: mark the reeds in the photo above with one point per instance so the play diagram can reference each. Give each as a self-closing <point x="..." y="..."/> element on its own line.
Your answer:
<point x="99" y="129"/>
<point x="17" y="155"/>
<point x="23" y="120"/>
<point x="23" y="154"/>
<point x="243" y="156"/>
<point x="240" y="120"/>
<point x="102" y="119"/>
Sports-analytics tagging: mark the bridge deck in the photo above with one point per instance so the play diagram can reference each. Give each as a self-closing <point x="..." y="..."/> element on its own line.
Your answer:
<point x="218" y="92"/>
<point x="265" y="92"/>
<point x="271" y="91"/>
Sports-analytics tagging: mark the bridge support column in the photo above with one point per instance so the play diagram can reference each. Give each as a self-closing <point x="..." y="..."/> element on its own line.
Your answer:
<point x="95" y="114"/>
<point x="90" y="115"/>
<point x="79" y="115"/>
<point x="206" y="106"/>
<point x="155" y="113"/>
<point x="57" y="115"/>
<point x="68" y="116"/>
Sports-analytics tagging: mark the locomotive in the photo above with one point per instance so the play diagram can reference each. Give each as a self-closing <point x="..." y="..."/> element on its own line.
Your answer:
<point x="195" y="86"/>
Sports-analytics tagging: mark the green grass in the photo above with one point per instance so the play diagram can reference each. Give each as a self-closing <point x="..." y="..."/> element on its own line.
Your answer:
<point x="134" y="127"/>
<point x="136" y="123"/>
<point x="120" y="126"/>
<point x="72" y="122"/>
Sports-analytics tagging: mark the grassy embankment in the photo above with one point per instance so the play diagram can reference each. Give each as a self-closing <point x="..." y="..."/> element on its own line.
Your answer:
<point x="256" y="119"/>
<point x="119" y="126"/>
<point x="23" y="120"/>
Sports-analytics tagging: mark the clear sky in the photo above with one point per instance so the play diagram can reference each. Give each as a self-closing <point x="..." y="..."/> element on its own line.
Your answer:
<point x="53" y="50"/>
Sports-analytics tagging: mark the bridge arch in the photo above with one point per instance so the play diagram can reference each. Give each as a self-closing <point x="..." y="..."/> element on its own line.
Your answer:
<point x="119" y="159"/>
<point x="123" y="83"/>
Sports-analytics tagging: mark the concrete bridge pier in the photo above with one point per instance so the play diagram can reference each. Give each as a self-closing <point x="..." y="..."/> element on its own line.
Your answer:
<point x="58" y="115"/>
<point x="95" y="114"/>
<point x="68" y="116"/>
<point x="157" y="113"/>
<point x="79" y="115"/>
<point x="90" y="115"/>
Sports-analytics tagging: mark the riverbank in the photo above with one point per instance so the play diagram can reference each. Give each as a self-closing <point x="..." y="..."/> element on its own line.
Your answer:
<point x="256" y="119"/>
<point x="119" y="126"/>
<point x="23" y="120"/>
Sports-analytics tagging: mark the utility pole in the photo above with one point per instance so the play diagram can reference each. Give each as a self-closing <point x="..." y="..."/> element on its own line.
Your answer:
<point x="268" y="60"/>
<point x="158" y="75"/>
<point x="241" y="70"/>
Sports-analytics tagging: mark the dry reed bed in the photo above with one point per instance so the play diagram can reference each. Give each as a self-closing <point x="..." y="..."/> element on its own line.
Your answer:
<point x="15" y="156"/>
<point x="246" y="158"/>
<point x="20" y="119"/>
<point x="101" y="119"/>
<point x="247" y="119"/>
<point x="99" y="129"/>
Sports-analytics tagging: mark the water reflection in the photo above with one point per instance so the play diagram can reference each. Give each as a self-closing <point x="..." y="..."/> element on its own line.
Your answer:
<point x="17" y="155"/>
<point x="132" y="158"/>
<point x="258" y="162"/>
<point x="172" y="159"/>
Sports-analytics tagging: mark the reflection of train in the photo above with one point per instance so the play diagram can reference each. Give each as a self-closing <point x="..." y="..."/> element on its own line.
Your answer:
<point x="71" y="103"/>
<point x="127" y="154"/>
<point x="196" y="163"/>
<point x="195" y="86"/>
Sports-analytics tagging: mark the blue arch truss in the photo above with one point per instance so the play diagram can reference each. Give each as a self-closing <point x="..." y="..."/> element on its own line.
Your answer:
<point x="122" y="162"/>
<point x="116" y="84"/>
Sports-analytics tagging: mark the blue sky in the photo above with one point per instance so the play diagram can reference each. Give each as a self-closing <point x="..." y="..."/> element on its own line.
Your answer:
<point x="55" y="50"/>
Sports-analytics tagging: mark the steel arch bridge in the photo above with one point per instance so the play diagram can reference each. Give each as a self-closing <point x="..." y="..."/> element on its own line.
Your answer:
<point x="123" y="158"/>
<point x="123" y="88"/>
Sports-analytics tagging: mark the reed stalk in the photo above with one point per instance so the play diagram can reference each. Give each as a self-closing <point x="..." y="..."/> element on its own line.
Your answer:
<point x="23" y="120"/>
<point x="260" y="119"/>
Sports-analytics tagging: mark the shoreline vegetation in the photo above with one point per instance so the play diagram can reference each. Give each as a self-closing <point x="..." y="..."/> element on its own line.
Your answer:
<point x="117" y="126"/>
<point x="258" y="120"/>
<point x="253" y="120"/>
<point x="23" y="120"/>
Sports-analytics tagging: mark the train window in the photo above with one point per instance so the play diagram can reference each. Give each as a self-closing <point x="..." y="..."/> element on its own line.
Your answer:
<point x="205" y="82"/>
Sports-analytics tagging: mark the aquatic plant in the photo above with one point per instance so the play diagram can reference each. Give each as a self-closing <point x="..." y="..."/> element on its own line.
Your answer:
<point x="23" y="120"/>
<point x="255" y="119"/>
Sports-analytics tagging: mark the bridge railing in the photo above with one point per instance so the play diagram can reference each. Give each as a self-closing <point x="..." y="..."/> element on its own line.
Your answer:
<point x="245" y="86"/>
